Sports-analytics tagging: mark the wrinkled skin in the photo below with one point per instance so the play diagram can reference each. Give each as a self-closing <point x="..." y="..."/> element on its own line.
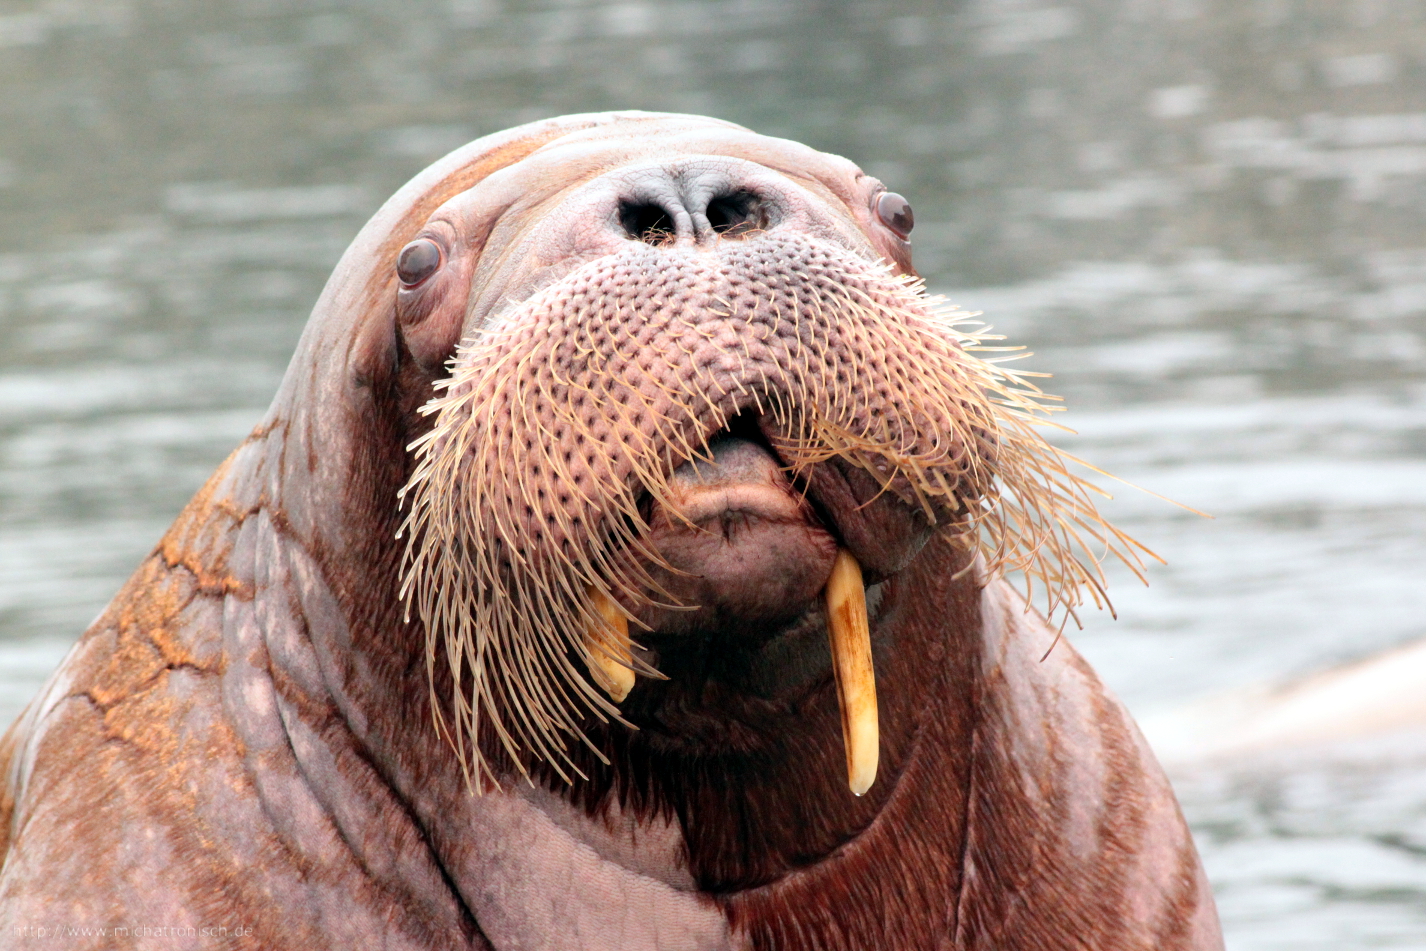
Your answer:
<point x="245" y="738"/>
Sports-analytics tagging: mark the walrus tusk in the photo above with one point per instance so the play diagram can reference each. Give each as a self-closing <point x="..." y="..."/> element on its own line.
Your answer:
<point x="850" y="634"/>
<point x="608" y="645"/>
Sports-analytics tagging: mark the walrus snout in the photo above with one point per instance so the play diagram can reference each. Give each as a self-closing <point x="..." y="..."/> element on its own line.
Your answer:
<point x="601" y="309"/>
<point x="682" y="202"/>
<point x="744" y="544"/>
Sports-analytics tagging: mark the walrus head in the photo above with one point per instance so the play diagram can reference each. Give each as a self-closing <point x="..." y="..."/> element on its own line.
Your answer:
<point x="692" y="410"/>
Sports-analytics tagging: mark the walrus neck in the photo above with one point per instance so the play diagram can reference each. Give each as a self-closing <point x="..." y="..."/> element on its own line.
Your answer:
<point x="750" y="820"/>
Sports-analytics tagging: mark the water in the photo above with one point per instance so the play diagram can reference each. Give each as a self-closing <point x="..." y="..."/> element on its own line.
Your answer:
<point x="1204" y="216"/>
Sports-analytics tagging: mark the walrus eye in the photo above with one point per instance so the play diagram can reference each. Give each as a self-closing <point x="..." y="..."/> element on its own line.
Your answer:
<point x="418" y="261"/>
<point x="895" y="212"/>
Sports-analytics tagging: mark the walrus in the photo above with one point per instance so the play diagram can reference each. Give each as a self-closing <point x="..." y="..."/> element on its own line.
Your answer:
<point x="620" y="565"/>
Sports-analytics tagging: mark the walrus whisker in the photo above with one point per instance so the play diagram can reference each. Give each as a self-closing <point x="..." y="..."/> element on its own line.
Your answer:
<point x="960" y="446"/>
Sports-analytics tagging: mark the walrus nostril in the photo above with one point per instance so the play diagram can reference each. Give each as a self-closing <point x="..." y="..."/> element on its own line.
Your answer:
<point x="647" y="222"/>
<point x="738" y="214"/>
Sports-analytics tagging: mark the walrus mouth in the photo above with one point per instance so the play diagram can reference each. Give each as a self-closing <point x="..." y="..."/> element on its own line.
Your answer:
<point x="568" y="426"/>
<point x="745" y="549"/>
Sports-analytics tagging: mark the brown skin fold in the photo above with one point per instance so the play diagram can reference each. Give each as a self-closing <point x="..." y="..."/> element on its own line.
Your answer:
<point x="245" y="739"/>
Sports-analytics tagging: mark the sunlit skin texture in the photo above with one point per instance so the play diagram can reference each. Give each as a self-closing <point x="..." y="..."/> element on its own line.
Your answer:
<point x="245" y="738"/>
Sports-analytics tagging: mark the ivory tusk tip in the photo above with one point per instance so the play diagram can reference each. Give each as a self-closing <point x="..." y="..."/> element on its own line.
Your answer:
<point x="862" y="761"/>
<point x="617" y="680"/>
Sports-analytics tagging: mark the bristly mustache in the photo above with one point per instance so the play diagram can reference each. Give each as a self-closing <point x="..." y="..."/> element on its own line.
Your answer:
<point x="523" y="522"/>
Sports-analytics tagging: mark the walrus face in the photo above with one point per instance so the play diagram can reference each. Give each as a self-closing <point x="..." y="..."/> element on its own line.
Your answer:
<point x="698" y="411"/>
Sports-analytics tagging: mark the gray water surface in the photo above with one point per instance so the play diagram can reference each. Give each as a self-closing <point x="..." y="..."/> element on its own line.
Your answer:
<point x="1203" y="216"/>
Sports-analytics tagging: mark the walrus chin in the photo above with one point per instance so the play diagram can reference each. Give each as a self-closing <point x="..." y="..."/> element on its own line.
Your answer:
<point x="716" y="444"/>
